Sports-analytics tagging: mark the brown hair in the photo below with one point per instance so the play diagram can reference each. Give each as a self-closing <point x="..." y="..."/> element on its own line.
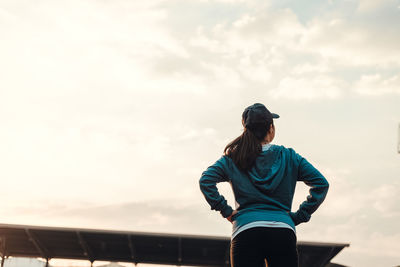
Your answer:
<point x="246" y="147"/>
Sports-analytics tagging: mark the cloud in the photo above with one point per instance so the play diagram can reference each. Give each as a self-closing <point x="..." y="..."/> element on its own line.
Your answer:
<point x="375" y="85"/>
<point x="365" y="6"/>
<point x="263" y="43"/>
<point x="311" y="88"/>
<point x="385" y="199"/>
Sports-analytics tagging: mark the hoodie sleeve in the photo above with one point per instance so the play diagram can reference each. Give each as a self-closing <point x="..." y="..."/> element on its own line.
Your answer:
<point x="318" y="191"/>
<point x="214" y="174"/>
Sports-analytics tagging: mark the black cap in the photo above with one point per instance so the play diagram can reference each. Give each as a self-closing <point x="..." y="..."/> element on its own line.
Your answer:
<point x="257" y="113"/>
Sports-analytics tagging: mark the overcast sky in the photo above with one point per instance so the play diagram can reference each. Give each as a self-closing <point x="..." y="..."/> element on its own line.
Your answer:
<point x="110" y="111"/>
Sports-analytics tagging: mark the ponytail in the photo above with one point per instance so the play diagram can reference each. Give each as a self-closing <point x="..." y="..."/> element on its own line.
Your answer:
<point x="244" y="150"/>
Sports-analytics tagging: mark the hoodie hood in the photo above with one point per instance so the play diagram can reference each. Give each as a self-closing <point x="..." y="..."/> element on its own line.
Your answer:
<point x="267" y="172"/>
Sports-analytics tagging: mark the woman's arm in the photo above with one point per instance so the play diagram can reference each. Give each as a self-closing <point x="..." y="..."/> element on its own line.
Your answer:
<point x="318" y="191"/>
<point x="214" y="174"/>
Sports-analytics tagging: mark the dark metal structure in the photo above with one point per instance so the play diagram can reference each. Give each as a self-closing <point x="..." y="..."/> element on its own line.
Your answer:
<point x="136" y="247"/>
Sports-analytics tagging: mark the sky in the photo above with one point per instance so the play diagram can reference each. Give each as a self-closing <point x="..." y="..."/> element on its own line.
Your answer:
<point x="111" y="110"/>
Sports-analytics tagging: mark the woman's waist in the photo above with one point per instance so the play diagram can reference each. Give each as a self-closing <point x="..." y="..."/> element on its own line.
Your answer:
<point x="245" y="216"/>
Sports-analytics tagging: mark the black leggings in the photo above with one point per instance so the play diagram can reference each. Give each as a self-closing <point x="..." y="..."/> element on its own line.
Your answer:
<point x="253" y="246"/>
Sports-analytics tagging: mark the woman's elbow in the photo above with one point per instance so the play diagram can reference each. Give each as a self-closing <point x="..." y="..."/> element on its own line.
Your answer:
<point x="326" y="186"/>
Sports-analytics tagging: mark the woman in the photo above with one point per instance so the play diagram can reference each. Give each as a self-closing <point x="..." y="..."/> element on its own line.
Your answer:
<point x="263" y="177"/>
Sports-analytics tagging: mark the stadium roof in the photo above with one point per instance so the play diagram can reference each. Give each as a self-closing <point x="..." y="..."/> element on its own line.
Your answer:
<point x="136" y="247"/>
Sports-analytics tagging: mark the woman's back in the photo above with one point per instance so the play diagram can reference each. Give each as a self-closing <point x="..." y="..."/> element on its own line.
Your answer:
<point x="265" y="192"/>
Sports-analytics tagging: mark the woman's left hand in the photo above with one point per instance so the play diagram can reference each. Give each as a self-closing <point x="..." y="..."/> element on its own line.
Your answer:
<point x="230" y="216"/>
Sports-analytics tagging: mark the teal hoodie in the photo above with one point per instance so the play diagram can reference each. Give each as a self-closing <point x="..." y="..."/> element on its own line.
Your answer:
<point x="265" y="193"/>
